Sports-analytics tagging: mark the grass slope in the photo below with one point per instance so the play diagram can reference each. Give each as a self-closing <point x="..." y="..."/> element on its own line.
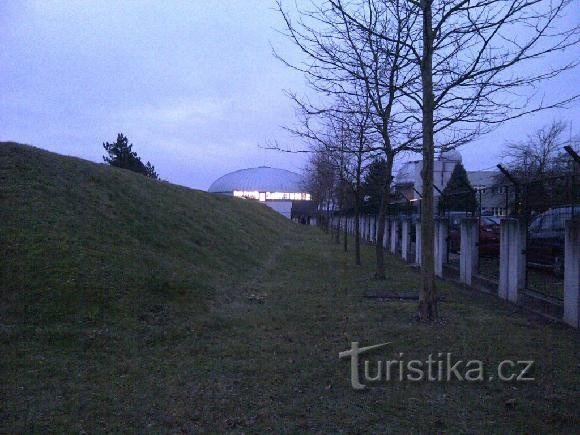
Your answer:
<point x="95" y="259"/>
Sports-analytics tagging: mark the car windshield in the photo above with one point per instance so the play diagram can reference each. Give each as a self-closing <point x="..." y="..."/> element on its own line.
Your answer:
<point x="535" y="225"/>
<point x="561" y="215"/>
<point x="554" y="219"/>
<point x="490" y="220"/>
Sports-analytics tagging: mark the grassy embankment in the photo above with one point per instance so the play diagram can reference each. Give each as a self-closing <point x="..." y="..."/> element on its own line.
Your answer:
<point x="129" y="303"/>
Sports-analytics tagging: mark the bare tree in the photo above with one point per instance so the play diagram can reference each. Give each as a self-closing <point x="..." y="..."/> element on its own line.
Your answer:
<point x="353" y="64"/>
<point x="478" y="67"/>
<point x="342" y="142"/>
<point x="321" y="182"/>
<point x="540" y="155"/>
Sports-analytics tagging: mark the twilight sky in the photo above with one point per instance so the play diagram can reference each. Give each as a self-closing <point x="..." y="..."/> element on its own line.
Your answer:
<point x="193" y="84"/>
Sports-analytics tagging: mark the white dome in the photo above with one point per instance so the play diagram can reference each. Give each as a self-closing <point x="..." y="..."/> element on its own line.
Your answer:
<point x="453" y="155"/>
<point x="408" y="173"/>
<point x="262" y="179"/>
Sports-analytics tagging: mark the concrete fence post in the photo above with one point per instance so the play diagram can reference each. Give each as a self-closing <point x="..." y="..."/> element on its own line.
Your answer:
<point x="367" y="228"/>
<point x="386" y="233"/>
<point x="469" y="251"/>
<point x="394" y="236"/>
<point x="440" y="245"/>
<point x="512" y="259"/>
<point x="418" y="243"/>
<point x="363" y="228"/>
<point x="405" y="239"/>
<point x="367" y="222"/>
<point x="572" y="273"/>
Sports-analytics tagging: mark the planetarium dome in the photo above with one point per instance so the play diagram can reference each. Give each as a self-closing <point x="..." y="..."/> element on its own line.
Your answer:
<point x="263" y="183"/>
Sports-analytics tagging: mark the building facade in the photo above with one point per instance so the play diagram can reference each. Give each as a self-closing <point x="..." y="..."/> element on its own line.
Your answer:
<point x="408" y="185"/>
<point x="283" y="191"/>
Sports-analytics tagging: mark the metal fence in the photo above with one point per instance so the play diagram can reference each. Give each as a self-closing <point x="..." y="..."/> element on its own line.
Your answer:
<point x="540" y="206"/>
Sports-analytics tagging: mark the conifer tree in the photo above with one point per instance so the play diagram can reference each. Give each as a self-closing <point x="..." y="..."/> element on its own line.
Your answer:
<point x="458" y="195"/>
<point x="121" y="155"/>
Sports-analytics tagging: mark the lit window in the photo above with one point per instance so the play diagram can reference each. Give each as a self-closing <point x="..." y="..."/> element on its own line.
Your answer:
<point x="246" y="194"/>
<point x="269" y="196"/>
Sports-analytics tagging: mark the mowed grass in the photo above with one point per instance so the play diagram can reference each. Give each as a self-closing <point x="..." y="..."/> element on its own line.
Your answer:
<point x="279" y="369"/>
<point x="98" y="266"/>
<point x="246" y="339"/>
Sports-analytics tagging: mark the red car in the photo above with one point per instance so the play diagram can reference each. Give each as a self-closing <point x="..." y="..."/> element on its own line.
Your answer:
<point x="488" y="234"/>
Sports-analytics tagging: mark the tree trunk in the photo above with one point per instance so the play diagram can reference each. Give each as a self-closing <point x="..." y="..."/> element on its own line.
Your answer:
<point x="357" y="231"/>
<point x="337" y="236"/>
<point x="345" y="235"/>
<point x="427" y="295"/>
<point x="379" y="249"/>
<point x="328" y="223"/>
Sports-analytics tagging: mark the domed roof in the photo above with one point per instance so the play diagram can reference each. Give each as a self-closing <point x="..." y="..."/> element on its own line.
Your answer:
<point x="408" y="172"/>
<point x="262" y="179"/>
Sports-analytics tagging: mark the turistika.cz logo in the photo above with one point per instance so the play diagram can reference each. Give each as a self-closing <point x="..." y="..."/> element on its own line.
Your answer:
<point x="439" y="367"/>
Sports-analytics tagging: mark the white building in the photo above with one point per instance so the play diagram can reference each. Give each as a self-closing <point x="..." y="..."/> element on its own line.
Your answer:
<point x="276" y="188"/>
<point x="409" y="184"/>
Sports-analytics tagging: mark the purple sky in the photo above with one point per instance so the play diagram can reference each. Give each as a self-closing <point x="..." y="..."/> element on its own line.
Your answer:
<point x="193" y="84"/>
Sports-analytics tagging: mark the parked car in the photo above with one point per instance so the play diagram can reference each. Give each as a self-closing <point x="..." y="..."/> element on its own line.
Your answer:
<point x="546" y="238"/>
<point x="488" y="233"/>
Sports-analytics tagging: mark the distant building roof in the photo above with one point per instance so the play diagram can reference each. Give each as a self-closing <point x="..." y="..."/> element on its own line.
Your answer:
<point x="452" y="155"/>
<point x="408" y="173"/>
<point x="479" y="179"/>
<point x="261" y="179"/>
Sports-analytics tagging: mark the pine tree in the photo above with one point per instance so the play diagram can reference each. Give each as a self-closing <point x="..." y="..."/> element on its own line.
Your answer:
<point x="373" y="185"/>
<point x="150" y="171"/>
<point x="121" y="155"/>
<point x="458" y="195"/>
